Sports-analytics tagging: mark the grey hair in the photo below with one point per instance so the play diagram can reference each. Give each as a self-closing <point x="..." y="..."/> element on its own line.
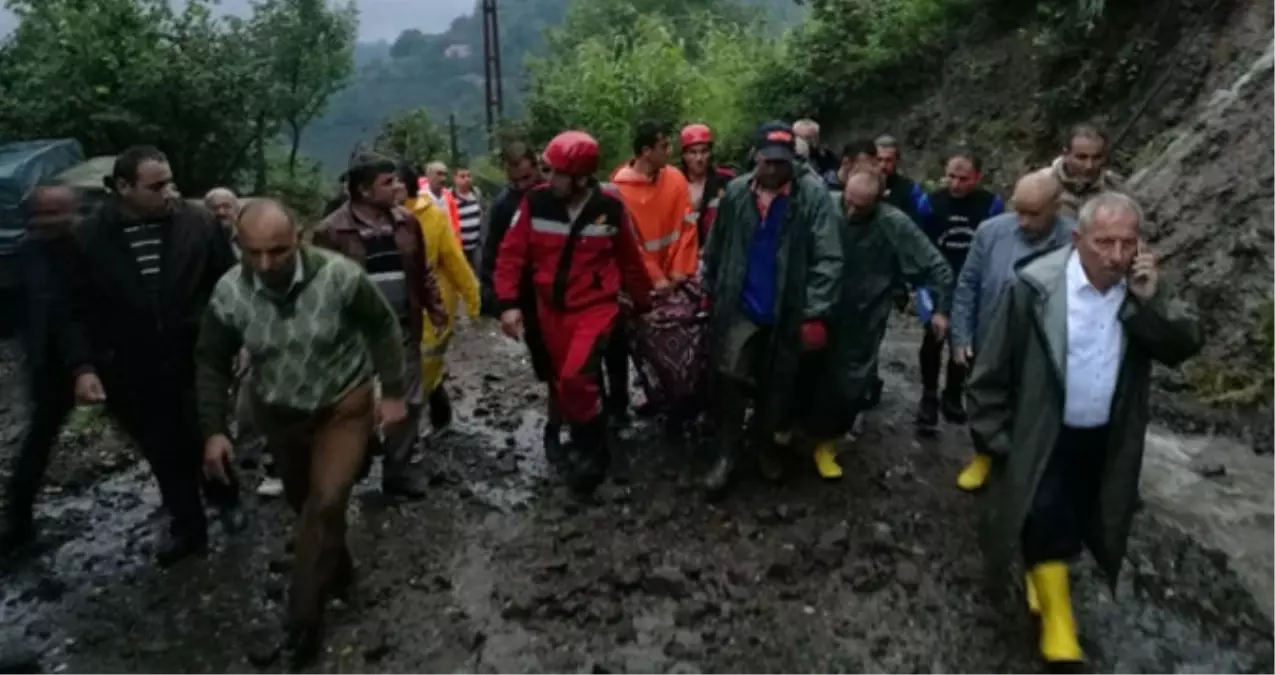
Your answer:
<point x="434" y="165"/>
<point x="806" y="122"/>
<point x="219" y="191"/>
<point x="1109" y="201"/>
<point x="887" y="141"/>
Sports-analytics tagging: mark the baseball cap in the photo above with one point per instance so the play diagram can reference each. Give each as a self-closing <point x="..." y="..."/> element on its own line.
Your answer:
<point x="776" y="142"/>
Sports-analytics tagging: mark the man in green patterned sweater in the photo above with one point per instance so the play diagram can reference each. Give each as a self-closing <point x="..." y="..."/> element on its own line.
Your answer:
<point x="318" y="332"/>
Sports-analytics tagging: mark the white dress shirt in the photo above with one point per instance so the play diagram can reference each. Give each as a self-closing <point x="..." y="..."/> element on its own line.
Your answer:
<point x="1095" y="342"/>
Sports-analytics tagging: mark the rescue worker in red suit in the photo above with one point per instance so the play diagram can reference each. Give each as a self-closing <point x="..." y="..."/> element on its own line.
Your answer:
<point x="578" y="246"/>
<point x="707" y="181"/>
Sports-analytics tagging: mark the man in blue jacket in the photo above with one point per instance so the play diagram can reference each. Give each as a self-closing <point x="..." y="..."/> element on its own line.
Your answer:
<point x="955" y="212"/>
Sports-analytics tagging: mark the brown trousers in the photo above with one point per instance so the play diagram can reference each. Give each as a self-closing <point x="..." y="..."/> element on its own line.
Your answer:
<point x="318" y="456"/>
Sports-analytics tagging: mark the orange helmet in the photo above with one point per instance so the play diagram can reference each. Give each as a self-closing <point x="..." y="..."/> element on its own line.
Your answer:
<point x="572" y="152"/>
<point x="694" y="134"/>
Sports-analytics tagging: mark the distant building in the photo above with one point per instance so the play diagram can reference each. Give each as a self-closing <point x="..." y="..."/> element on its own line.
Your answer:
<point x="457" y="51"/>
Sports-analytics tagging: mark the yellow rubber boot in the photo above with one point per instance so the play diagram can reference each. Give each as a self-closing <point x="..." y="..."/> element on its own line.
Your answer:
<point x="826" y="460"/>
<point x="1033" y="600"/>
<point x="1058" y="643"/>
<point x="975" y="473"/>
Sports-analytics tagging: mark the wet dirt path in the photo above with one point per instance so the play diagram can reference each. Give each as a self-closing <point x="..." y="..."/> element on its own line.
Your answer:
<point x="499" y="569"/>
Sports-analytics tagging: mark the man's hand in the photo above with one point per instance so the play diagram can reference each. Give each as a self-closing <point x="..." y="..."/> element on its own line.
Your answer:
<point x="218" y="453"/>
<point x="962" y="356"/>
<point x="1144" y="278"/>
<point x="89" y="390"/>
<point x="511" y="323"/>
<point x="938" y="326"/>
<point x="391" y="411"/>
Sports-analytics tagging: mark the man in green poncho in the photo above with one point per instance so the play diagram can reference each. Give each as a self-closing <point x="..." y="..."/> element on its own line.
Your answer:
<point x="882" y="249"/>
<point x="772" y="269"/>
<point x="1060" y="393"/>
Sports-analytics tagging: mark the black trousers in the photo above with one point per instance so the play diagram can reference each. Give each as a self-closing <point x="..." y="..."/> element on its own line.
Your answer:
<point x="931" y="358"/>
<point x="615" y="363"/>
<point x="1064" y="500"/>
<point x="52" y="399"/>
<point x="161" y="418"/>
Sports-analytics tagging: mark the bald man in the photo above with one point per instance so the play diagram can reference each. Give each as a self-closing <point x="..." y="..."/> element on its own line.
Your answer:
<point x="882" y="249"/>
<point x="435" y="188"/>
<point x="318" y="331"/>
<point x="1031" y="226"/>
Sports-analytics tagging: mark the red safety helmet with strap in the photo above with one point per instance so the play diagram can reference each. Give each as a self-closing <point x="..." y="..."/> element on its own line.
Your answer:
<point x="572" y="152"/>
<point x="695" y="134"/>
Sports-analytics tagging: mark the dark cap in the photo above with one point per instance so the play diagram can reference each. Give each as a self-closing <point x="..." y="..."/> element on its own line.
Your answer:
<point x="776" y="142"/>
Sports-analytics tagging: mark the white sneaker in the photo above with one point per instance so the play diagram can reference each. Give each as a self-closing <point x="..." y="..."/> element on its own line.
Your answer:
<point x="270" y="487"/>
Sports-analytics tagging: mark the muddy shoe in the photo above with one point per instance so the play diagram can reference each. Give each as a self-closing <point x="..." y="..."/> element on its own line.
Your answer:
<point x="176" y="548"/>
<point x="927" y="415"/>
<point x="770" y="462"/>
<point x="718" y="478"/>
<point x="305" y="643"/>
<point x="18" y="540"/>
<point x="343" y="577"/>
<point x="233" y="519"/>
<point x="404" y="487"/>
<point x="872" y="397"/>
<point x="555" y="452"/>
<point x="953" y="408"/>
<point x="440" y="409"/>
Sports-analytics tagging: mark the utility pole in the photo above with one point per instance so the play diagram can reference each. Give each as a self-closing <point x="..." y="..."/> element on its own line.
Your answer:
<point x="455" y="143"/>
<point x="492" y="80"/>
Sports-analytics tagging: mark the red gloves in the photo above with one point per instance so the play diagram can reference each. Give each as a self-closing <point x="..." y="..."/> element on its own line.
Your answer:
<point x="814" y="335"/>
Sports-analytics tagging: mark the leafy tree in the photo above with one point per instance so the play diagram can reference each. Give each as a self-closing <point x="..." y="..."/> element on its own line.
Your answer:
<point x="412" y="137"/>
<point x="606" y="90"/>
<point x="310" y="49"/>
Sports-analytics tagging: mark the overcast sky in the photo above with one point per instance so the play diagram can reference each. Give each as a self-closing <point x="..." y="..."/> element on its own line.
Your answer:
<point x="378" y="19"/>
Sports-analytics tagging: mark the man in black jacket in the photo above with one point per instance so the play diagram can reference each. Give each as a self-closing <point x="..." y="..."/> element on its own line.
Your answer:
<point x="146" y="265"/>
<point x="45" y="260"/>
<point x="900" y="191"/>
<point x="956" y="211"/>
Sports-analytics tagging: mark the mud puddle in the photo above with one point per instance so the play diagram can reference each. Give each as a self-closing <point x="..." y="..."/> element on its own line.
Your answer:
<point x="500" y="570"/>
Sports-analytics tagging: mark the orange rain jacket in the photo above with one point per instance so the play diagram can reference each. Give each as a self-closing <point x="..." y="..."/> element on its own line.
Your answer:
<point x="664" y="220"/>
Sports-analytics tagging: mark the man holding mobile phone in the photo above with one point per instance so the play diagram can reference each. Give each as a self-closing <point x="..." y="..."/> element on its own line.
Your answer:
<point x="1059" y="391"/>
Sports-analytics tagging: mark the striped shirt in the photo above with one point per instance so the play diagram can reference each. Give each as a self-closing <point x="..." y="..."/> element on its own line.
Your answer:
<point x="471" y="220"/>
<point x="384" y="264"/>
<point x="146" y="240"/>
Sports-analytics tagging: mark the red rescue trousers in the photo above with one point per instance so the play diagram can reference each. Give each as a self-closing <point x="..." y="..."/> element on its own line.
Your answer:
<point x="576" y="340"/>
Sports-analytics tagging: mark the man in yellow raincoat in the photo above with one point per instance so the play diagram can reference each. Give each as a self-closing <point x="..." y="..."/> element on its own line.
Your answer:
<point x="456" y="280"/>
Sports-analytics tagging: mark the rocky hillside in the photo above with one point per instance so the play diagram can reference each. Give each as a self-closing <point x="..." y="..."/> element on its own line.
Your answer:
<point x="1185" y="87"/>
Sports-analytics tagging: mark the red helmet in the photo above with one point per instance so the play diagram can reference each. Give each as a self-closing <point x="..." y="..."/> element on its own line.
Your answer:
<point x="694" y="134"/>
<point x="572" y="152"/>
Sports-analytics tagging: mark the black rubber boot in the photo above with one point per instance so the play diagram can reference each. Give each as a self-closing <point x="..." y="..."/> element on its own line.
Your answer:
<point x="729" y="403"/>
<point x="927" y="414"/>
<point x="440" y="408"/>
<point x="555" y="453"/>
<point x="592" y="456"/>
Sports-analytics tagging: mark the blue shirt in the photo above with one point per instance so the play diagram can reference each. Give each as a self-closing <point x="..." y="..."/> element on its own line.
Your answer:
<point x="760" y="280"/>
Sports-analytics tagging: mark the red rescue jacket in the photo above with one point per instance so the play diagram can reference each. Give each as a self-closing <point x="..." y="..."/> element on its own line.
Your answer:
<point x="572" y="264"/>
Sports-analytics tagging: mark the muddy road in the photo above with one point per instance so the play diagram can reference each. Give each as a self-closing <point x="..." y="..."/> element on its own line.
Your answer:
<point x="500" y="569"/>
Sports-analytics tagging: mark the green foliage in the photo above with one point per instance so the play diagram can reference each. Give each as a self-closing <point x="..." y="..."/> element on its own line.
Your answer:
<point x="206" y="90"/>
<point x="413" y="137"/>
<point x="298" y="183"/>
<point x="611" y="82"/>
<point x="849" y="46"/>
